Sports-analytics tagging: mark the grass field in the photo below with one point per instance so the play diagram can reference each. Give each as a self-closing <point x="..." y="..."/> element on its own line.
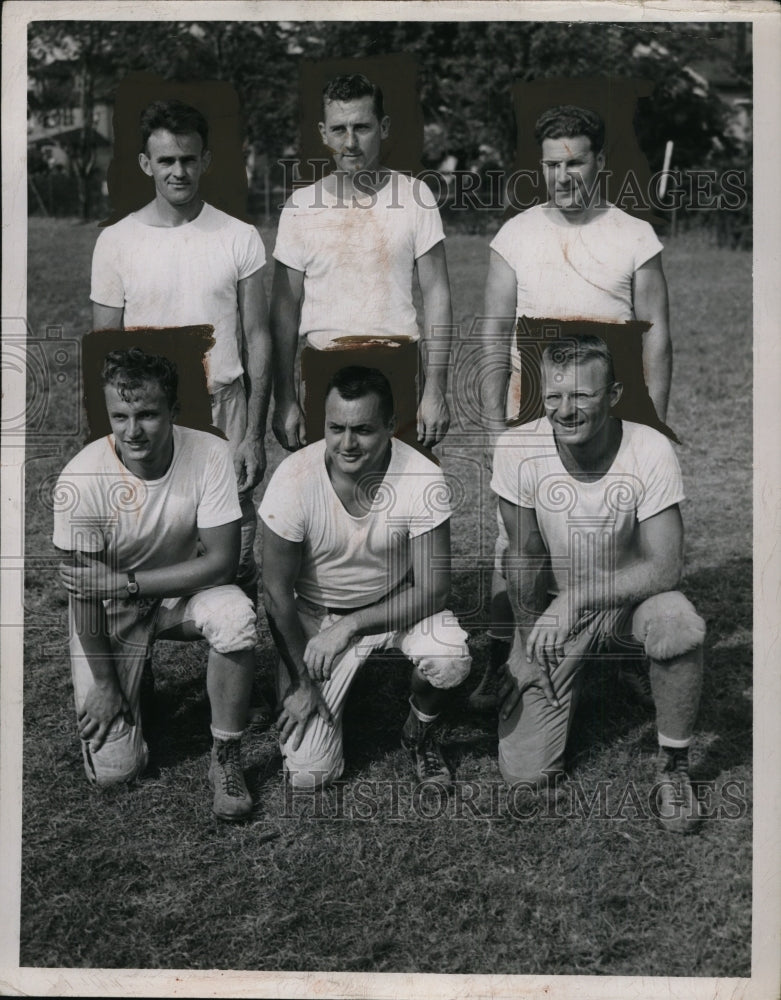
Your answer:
<point x="369" y="878"/>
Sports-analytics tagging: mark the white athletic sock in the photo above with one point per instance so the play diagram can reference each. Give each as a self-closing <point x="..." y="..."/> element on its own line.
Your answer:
<point x="221" y="734"/>
<point x="421" y="716"/>
<point x="668" y="741"/>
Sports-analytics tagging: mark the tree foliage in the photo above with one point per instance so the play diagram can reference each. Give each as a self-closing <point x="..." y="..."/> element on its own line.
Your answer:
<point x="466" y="73"/>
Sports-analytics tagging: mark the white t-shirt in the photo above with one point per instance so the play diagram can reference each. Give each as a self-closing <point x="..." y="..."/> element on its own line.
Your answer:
<point x="358" y="257"/>
<point x="587" y="526"/>
<point x="100" y="506"/>
<point x="181" y="276"/>
<point x="575" y="271"/>
<point x="350" y="561"/>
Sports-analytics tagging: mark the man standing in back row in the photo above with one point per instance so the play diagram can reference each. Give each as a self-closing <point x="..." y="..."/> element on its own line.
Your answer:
<point x="181" y="262"/>
<point x="346" y="250"/>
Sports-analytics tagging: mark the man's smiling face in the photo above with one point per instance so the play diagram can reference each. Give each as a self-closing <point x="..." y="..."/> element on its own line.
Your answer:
<point x="357" y="437"/>
<point x="577" y="399"/>
<point x="142" y="424"/>
<point x="176" y="163"/>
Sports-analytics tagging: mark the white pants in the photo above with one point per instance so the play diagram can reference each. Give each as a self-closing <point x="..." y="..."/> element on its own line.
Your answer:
<point x="436" y="646"/>
<point x="223" y="615"/>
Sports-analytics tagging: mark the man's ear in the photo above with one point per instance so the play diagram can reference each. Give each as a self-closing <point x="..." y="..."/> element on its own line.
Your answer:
<point x="175" y="412"/>
<point x="145" y="163"/>
<point x="601" y="159"/>
<point x="385" y="127"/>
<point x="392" y="425"/>
<point x="616" y="391"/>
<point x="206" y="159"/>
<point x="321" y="129"/>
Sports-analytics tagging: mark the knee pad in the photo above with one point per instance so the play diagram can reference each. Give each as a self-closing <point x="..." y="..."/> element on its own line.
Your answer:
<point x="444" y="671"/>
<point x="437" y="646"/>
<point x="668" y="626"/>
<point x="225" y="617"/>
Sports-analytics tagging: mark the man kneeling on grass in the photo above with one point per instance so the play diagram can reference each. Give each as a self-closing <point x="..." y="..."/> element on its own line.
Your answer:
<point x="356" y="550"/>
<point x="135" y="506"/>
<point x="590" y="504"/>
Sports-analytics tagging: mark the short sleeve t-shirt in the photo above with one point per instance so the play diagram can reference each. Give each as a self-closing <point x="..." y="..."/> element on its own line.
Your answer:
<point x="358" y="256"/>
<point x="181" y="276"/>
<point x="575" y="271"/>
<point x="349" y="561"/>
<point x="101" y="507"/>
<point x="587" y="527"/>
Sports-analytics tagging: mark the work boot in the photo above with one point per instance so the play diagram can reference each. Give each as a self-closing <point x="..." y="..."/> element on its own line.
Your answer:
<point x="420" y="741"/>
<point x="232" y="801"/>
<point x="678" y="809"/>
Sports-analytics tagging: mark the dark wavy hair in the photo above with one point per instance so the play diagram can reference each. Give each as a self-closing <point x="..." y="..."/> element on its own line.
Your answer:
<point x="352" y="87"/>
<point x="566" y="121"/>
<point x="173" y="116"/>
<point x="128" y="370"/>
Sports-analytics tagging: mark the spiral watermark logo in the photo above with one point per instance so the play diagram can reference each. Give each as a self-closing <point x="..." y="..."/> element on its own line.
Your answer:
<point x="374" y="493"/>
<point x="125" y="495"/>
<point x="41" y="380"/>
<point x="444" y="497"/>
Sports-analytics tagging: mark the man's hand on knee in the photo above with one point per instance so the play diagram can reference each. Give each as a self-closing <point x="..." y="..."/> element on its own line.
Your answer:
<point x="298" y="707"/>
<point x="545" y="641"/>
<point x="323" y="649"/>
<point x="104" y="702"/>
<point x="519" y="673"/>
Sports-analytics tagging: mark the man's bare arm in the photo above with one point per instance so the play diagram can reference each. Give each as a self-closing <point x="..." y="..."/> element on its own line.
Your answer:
<point x="250" y="457"/>
<point x="105" y="700"/>
<point x="426" y="595"/>
<point x="88" y="577"/>
<point x="107" y="317"/>
<point x="526" y="570"/>
<point x="657" y="568"/>
<point x="302" y="700"/>
<point x="497" y="330"/>
<point x="651" y="304"/>
<point x="433" y="413"/>
<point x="287" y="296"/>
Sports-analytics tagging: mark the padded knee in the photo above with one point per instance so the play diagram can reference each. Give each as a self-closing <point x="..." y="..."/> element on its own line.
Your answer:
<point x="225" y="617"/>
<point x="437" y="646"/>
<point x="444" y="671"/>
<point x="668" y="626"/>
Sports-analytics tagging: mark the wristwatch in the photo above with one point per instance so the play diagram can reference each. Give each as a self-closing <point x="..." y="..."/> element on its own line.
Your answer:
<point x="131" y="585"/>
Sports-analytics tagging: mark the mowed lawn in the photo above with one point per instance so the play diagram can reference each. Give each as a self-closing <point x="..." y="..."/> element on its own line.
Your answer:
<point x="371" y="877"/>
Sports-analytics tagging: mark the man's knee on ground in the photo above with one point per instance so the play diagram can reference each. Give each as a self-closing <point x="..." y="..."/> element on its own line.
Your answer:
<point x="668" y="626"/>
<point x="225" y="617"/>
<point x="312" y="777"/>
<point x="119" y="761"/>
<point x="526" y="774"/>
